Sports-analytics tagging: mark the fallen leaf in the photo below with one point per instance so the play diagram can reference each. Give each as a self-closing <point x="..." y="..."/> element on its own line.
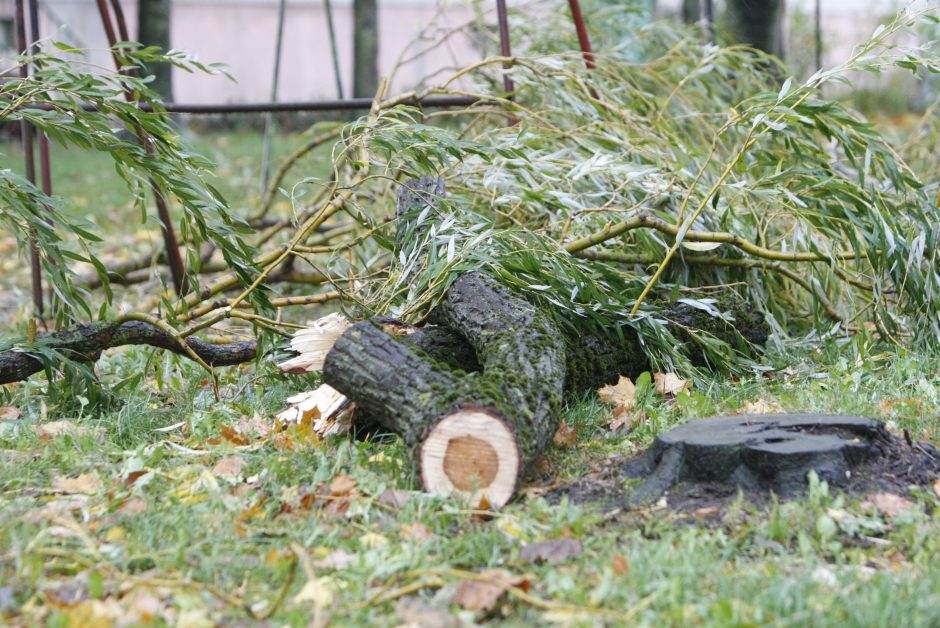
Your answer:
<point x="620" y="564"/>
<point x="232" y="435"/>
<point x="342" y="485"/>
<point x="133" y="506"/>
<point x="229" y="468"/>
<point x="318" y="591"/>
<point x="417" y="613"/>
<point x="415" y="532"/>
<point x="60" y="428"/>
<point x="337" y="559"/>
<point x="669" y="383"/>
<point x="254" y="425"/>
<point x="9" y="413"/>
<point x="760" y="406"/>
<point x="706" y="511"/>
<point x="373" y="540"/>
<point x="888" y="504"/>
<point x="553" y="551"/>
<point x="565" y="435"/>
<point x="482" y="594"/>
<point x="935" y="485"/>
<point x="86" y="483"/>
<point x="624" y="420"/>
<point x="395" y="497"/>
<point x="622" y="394"/>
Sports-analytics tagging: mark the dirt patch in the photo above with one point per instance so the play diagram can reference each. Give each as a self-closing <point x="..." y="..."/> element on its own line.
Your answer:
<point x="703" y="465"/>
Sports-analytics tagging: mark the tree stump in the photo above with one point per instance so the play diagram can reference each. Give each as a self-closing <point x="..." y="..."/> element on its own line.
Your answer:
<point x="764" y="451"/>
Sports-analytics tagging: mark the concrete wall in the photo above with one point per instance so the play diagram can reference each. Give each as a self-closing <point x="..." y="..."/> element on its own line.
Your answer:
<point x="241" y="34"/>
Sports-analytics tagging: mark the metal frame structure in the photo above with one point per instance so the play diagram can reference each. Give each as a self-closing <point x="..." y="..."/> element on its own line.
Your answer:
<point x="115" y="27"/>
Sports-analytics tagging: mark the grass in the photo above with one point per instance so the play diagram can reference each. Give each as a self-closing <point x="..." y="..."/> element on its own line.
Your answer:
<point x="183" y="525"/>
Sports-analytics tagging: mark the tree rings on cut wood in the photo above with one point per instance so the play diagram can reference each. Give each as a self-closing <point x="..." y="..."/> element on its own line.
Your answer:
<point x="473" y="453"/>
<point x="765" y="451"/>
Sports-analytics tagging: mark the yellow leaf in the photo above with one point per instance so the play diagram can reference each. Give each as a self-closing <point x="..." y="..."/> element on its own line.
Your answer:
<point x="86" y="483"/>
<point x="670" y="383"/>
<point x="623" y="394"/>
<point x="318" y="591"/>
<point x="371" y="539"/>
<point x="760" y="406"/>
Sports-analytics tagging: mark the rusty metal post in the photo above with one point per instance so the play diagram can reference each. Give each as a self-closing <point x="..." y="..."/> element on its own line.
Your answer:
<point x="170" y="242"/>
<point x="583" y="38"/>
<point x="505" y="49"/>
<point x="26" y="135"/>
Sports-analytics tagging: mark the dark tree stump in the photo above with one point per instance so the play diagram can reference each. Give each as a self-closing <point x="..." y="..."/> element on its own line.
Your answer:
<point x="764" y="452"/>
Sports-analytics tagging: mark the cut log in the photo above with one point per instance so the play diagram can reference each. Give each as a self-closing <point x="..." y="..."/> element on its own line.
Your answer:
<point x="473" y="433"/>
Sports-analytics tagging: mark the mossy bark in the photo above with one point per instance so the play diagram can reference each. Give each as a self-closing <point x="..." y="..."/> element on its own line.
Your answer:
<point x="406" y="391"/>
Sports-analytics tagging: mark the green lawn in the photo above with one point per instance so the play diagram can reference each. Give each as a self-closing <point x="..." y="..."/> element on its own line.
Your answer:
<point x="158" y="510"/>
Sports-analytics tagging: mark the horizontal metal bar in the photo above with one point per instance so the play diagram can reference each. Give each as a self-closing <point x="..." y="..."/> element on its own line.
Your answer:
<point x="346" y="104"/>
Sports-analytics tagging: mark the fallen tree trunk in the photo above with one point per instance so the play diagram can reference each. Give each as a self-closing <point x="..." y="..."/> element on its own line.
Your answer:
<point x="474" y="433"/>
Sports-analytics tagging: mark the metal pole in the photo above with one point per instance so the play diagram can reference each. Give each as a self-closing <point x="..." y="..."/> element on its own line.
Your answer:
<point x="504" y="47"/>
<point x="45" y="172"/>
<point x="347" y="104"/>
<point x="581" y="28"/>
<point x="171" y="244"/>
<point x="818" y="16"/>
<point x="26" y="135"/>
<point x="269" y="118"/>
<point x="708" y="12"/>
<point x="328" y="4"/>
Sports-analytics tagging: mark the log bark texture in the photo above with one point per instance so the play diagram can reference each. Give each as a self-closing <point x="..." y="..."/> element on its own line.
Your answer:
<point x="84" y="343"/>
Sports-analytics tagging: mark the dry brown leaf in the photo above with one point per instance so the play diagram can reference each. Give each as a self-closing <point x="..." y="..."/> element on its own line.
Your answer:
<point x="133" y="506"/>
<point x="86" y="483"/>
<point x="935" y="485"/>
<point x="337" y="559"/>
<point x="482" y="595"/>
<point x="253" y="426"/>
<point x="229" y="467"/>
<point x="415" y="613"/>
<point x="59" y="428"/>
<point x="760" y="406"/>
<point x="9" y="413"/>
<point x="553" y="551"/>
<point x="394" y="497"/>
<point x="622" y="394"/>
<point x="342" y="485"/>
<point x="565" y="435"/>
<point x="888" y="504"/>
<point x="620" y="564"/>
<point x="232" y="435"/>
<point x="670" y="383"/>
<point x="705" y="511"/>
<point x="625" y="420"/>
<point x="415" y="532"/>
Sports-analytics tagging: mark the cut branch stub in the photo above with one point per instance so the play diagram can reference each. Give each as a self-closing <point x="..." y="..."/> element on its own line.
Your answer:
<point x="474" y="433"/>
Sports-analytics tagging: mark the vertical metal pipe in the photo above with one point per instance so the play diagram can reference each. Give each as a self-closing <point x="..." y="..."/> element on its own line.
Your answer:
<point x="121" y="22"/>
<point x="581" y="28"/>
<point x="269" y="117"/>
<point x="45" y="172"/>
<point x="708" y="12"/>
<point x="26" y="135"/>
<point x="505" y="49"/>
<point x="817" y="10"/>
<point x="328" y="5"/>
<point x="171" y="244"/>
